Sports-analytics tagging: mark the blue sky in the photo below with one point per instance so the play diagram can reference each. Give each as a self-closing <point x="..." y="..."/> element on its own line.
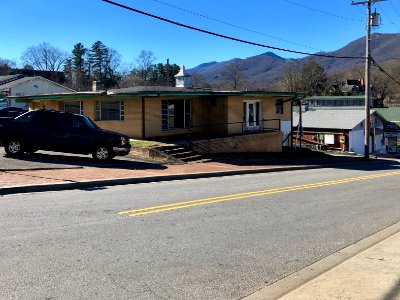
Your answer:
<point x="301" y="25"/>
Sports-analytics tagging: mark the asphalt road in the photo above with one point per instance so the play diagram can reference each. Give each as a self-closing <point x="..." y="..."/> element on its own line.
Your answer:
<point x="218" y="238"/>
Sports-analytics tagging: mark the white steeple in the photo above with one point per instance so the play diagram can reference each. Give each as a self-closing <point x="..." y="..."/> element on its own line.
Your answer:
<point x="183" y="79"/>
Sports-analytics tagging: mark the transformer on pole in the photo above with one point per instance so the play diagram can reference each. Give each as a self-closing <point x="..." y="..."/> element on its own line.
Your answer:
<point x="372" y="20"/>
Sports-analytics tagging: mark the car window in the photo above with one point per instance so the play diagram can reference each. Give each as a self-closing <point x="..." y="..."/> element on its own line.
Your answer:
<point x="78" y="123"/>
<point x="25" y="117"/>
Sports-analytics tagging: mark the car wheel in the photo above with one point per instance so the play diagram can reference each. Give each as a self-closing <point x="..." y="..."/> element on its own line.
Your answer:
<point x="14" y="147"/>
<point x="102" y="153"/>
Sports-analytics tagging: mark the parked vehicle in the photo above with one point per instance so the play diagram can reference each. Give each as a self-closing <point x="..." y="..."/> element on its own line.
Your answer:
<point x="61" y="132"/>
<point x="11" y="111"/>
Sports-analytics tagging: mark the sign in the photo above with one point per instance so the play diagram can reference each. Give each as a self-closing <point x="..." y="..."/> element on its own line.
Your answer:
<point x="391" y="134"/>
<point x="391" y="127"/>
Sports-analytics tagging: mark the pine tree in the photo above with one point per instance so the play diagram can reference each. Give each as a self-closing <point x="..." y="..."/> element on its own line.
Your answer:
<point x="79" y="67"/>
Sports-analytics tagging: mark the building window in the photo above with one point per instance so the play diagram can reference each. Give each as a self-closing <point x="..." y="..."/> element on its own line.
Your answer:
<point x="72" y="107"/>
<point x="279" y="106"/>
<point x="176" y="114"/>
<point x="110" y="110"/>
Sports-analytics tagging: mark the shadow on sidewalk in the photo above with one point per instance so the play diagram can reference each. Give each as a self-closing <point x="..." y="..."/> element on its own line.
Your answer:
<point x="394" y="293"/>
<point x="65" y="161"/>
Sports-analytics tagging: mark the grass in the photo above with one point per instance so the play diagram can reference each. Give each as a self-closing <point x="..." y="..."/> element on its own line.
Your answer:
<point x="143" y="143"/>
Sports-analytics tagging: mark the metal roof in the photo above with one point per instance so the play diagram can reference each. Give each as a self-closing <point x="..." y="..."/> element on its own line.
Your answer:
<point x="331" y="119"/>
<point x="27" y="79"/>
<point x="390" y="114"/>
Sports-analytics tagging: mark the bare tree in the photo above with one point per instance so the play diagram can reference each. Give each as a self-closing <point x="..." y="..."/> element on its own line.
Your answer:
<point x="291" y="78"/>
<point x="235" y="76"/>
<point x="144" y="63"/>
<point x="6" y="65"/>
<point x="45" y="57"/>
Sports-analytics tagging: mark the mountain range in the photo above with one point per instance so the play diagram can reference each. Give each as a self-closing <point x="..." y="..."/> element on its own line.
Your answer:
<point x="266" y="69"/>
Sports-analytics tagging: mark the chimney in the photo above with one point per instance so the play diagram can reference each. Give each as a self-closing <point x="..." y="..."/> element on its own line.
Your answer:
<point x="97" y="86"/>
<point x="183" y="79"/>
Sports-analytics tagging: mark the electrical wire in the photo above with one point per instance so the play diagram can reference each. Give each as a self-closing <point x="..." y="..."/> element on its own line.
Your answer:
<point x="390" y="20"/>
<point x="374" y="63"/>
<point x="394" y="8"/>
<point x="323" y="12"/>
<point x="225" y="36"/>
<point x="233" y="25"/>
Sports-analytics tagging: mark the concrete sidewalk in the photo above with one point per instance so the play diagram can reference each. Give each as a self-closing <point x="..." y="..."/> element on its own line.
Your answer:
<point x="369" y="269"/>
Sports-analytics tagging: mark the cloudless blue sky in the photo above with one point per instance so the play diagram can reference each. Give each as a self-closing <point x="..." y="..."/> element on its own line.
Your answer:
<point x="301" y="25"/>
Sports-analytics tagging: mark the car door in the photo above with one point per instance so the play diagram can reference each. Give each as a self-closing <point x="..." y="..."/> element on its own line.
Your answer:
<point x="78" y="136"/>
<point x="50" y="131"/>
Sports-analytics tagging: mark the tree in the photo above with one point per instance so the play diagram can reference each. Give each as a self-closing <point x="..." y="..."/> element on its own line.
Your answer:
<point x="80" y="67"/>
<point x="45" y="57"/>
<point x="104" y="63"/>
<point x="144" y="63"/>
<point x="6" y="65"/>
<point x="158" y="74"/>
<point x="313" y="79"/>
<point x="291" y="78"/>
<point x="198" y="80"/>
<point x="68" y="73"/>
<point x="234" y="76"/>
<point x="97" y="60"/>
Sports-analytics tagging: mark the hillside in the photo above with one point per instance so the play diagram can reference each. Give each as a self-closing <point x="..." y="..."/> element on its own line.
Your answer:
<point x="266" y="69"/>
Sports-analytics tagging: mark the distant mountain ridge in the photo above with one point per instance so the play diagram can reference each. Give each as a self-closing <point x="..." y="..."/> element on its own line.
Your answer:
<point x="266" y="69"/>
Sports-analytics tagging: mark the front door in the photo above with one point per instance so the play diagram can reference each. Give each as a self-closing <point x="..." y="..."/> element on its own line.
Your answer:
<point x="252" y="115"/>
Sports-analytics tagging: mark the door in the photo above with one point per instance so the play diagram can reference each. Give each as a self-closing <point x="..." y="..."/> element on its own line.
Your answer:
<point x="252" y="115"/>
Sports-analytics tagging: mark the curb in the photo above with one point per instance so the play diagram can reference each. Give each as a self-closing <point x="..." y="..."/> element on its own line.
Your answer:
<point x="90" y="184"/>
<point x="299" y="278"/>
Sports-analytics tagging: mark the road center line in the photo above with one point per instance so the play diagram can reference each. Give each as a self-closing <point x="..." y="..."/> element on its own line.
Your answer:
<point x="192" y="203"/>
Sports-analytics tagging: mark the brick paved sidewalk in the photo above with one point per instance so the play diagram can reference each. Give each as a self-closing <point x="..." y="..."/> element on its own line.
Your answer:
<point x="34" y="177"/>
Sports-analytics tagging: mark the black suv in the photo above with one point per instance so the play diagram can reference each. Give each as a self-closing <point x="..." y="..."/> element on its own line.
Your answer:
<point x="61" y="132"/>
<point x="11" y="111"/>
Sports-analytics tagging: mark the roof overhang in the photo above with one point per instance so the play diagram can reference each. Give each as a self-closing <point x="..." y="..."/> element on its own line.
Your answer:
<point x="152" y="94"/>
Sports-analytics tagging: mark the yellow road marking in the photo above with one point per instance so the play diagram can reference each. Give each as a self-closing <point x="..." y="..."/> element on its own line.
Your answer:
<point x="205" y="201"/>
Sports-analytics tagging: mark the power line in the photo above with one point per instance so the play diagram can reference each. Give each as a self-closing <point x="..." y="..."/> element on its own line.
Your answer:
<point x="225" y="36"/>
<point x="323" y="12"/>
<point x="383" y="71"/>
<point x="390" y="20"/>
<point x="233" y="25"/>
<point x="394" y="8"/>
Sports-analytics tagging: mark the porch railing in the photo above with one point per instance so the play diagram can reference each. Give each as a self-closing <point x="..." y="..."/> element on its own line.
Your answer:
<point x="245" y="127"/>
<point x="216" y="130"/>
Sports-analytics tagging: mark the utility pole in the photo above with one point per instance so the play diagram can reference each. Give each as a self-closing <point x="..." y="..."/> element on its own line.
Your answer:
<point x="367" y="73"/>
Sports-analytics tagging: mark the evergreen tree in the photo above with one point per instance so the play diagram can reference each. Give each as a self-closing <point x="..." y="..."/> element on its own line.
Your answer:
<point x="80" y="67"/>
<point x="68" y="73"/>
<point x="104" y="63"/>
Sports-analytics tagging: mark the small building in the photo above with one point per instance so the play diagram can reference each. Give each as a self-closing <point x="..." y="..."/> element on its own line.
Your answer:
<point x="340" y="129"/>
<point x="18" y="85"/>
<point x="391" y="130"/>
<point x="236" y="121"/>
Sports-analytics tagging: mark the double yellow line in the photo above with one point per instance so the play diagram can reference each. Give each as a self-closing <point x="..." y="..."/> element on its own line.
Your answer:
<point x="206" y="201"/>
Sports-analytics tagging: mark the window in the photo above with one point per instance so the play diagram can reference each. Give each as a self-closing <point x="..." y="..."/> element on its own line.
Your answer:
<point x="110" y="110"/>
<point x="279" y="106"/>
<point x="72" y="107"/>
<point x="176" y="114"/>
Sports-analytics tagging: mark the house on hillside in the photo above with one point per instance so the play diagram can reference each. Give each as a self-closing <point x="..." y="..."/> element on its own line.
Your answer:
<point x="229" y="121"/>
<point x="18" y="85"/>
<point x="340" y="129"/>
